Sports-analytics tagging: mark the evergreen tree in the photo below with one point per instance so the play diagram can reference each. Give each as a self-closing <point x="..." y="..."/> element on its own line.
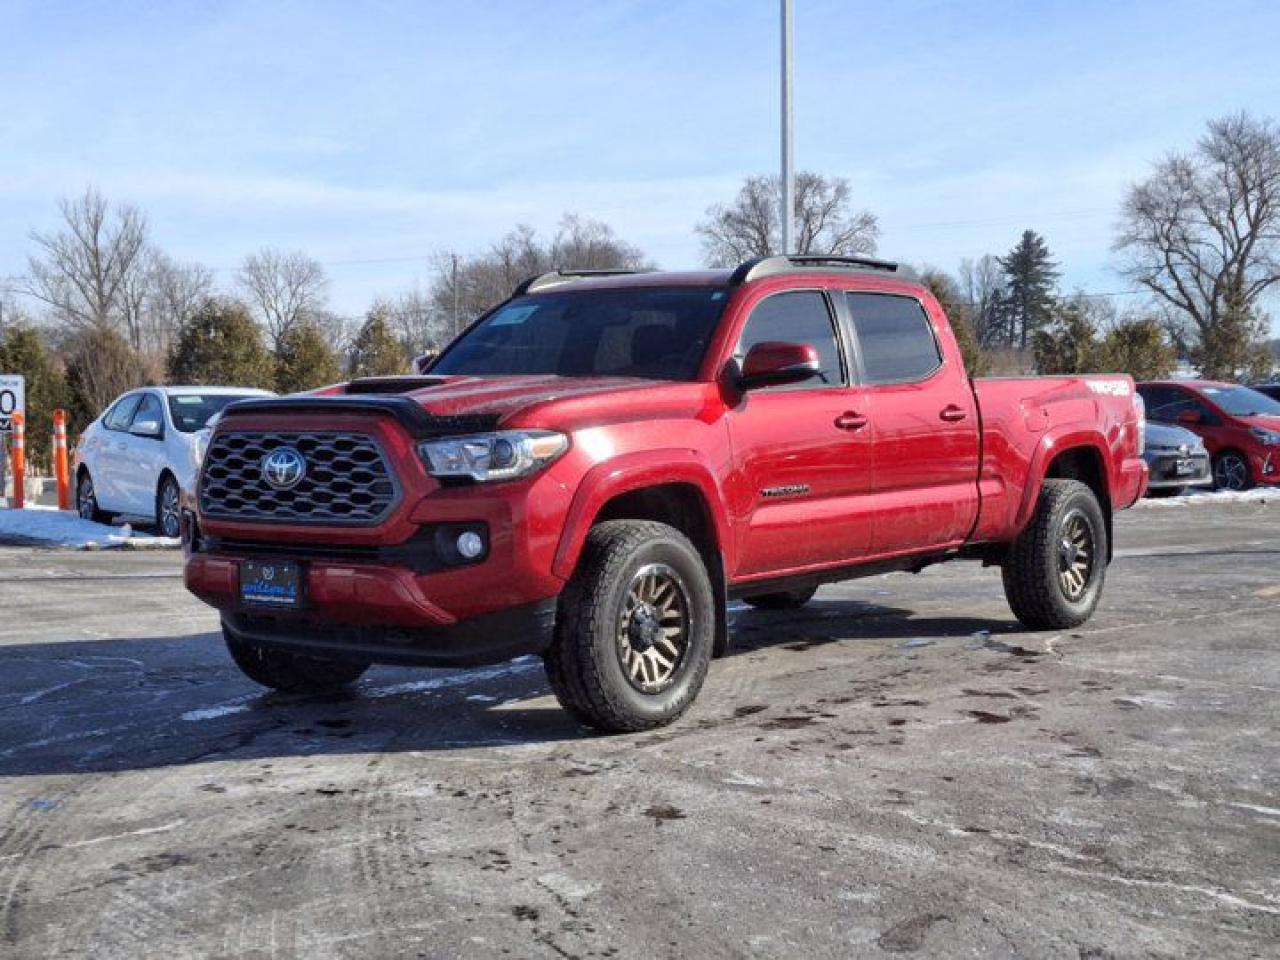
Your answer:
<point x="22" y="352"/>
<point x="221" y="345"/>
<point x="304" y="360"/>
<point x="1236" y="346"/>
<point x="1069" y="343"/>
<point x="1140" y="348"/>
<point x="376" y="352"/>
<point x="1030" y="279"/>
<point x="960" y="314"/>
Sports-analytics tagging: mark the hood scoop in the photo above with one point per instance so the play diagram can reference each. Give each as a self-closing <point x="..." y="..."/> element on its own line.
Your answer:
<point x="385" y="385"/>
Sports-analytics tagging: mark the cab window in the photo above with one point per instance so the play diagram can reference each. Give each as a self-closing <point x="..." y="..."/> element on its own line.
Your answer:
<point x="895" y="338"/>
<point x="797" y="316"/>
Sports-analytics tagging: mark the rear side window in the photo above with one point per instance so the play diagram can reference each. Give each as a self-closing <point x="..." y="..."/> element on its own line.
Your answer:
<point x="799" y="316"/>
<point x="895" y="337"/>
<point x="122" y="413"/>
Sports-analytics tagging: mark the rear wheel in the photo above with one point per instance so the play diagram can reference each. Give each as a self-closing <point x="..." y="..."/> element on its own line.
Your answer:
<point x="1054" y="571"/>
<point x="167" y="507"/>
<point x="786" y="600"/>
<point x="87" y="500"/>
<point x="289" y="671"/>
<point x="1231" y="472"/>
<point x="634" y="628"/>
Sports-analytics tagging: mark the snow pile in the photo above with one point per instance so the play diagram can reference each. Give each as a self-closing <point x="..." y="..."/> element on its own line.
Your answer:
<point x="49" y="527"/>
<point x="1208" y="497"/>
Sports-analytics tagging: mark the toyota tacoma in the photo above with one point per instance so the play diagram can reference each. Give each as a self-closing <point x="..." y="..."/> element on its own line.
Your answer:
<point x="596" y="466"/>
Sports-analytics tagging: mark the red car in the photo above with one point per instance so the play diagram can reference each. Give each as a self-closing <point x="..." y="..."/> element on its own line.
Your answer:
<point x="1240" y="426"/>
<point x="596" y="466"/>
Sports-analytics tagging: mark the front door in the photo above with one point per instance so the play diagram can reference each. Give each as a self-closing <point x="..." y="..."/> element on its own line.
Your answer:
<point x="802" y="452"/>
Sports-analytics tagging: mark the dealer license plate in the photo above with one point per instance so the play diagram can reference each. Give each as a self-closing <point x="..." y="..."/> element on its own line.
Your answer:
<point x="276" y="583"/>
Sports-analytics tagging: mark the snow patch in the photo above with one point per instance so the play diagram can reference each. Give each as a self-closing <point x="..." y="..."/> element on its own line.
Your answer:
<point x="43" y="526"/>
<point x="213" y="713"/>
<point x="1209" y="497"/>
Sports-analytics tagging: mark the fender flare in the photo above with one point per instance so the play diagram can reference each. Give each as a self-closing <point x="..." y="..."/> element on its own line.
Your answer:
<point x="1054" y="443"/>
<point x="635" y="471"/>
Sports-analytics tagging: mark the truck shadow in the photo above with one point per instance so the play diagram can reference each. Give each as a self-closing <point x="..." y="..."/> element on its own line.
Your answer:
<point x="114" y="705"/>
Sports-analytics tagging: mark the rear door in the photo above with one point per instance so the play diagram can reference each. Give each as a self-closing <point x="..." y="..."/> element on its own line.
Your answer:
<point x="924" y="477"/>
<point x="801" y="458"/>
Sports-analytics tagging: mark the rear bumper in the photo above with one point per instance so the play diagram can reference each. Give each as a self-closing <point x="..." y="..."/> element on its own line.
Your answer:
<point x="1132" y="482"/>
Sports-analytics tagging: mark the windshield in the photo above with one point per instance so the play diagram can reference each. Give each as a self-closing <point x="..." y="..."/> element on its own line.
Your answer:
<point x="191" y="411"/>
<point x="1243" y="402"/>
<point x="655" y="332"/>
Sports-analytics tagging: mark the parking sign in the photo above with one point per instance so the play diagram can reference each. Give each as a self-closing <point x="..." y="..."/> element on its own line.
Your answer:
<point x="12" y="399"/>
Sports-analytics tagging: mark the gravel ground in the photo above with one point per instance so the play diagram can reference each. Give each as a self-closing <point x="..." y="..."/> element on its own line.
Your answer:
<point x="896" y="769"/>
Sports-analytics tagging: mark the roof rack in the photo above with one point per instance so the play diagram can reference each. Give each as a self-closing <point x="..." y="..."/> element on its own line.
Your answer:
<point x="556" y="277"/>
<point x="769" y="266"/>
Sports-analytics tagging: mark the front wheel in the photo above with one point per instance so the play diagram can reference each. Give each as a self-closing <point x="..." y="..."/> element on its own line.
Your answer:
<point x="1054" y="571"/>
<point x="167" y="521"/>
<point x="634" y="628"/>
<point x="290" y="672"/>
<point x="1231" y="472"/>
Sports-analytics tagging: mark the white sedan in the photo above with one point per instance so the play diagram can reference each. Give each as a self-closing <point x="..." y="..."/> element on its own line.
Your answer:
<point x="139" y="456"/>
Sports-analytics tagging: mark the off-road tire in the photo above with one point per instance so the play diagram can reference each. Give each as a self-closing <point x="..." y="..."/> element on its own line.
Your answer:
<point x="583" y="663"/>
<point x="1031" y="570"/>
<point x="291" y="672"/>
<point x="786" y="600"/>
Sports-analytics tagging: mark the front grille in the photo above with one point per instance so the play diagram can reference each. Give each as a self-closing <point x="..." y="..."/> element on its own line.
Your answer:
<point x="347" y="481"/>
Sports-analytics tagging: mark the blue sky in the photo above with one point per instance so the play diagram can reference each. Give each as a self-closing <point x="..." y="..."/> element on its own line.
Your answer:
<point x="393" y="130"/>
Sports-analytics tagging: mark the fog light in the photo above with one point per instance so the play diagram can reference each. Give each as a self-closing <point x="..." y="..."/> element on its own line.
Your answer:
<point x="470" y="544"/>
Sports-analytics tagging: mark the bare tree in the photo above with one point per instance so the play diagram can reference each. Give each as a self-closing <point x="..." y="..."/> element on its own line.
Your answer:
<point x="284" y="288"/>
<point x="748" y="227"/>
<point x="417" y="322"/>
<point x="982" y="286"/>
<point x="465" y="288"/>
<point x="85" y="271"/>
<point x="175" y="292"/>
<point x="1203" y="232"/>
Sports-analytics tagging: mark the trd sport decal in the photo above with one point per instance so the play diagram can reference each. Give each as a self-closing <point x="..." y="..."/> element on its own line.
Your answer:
<point x="792" y="490"/>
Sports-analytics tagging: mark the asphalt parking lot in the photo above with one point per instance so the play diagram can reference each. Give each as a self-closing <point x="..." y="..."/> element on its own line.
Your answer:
<point x="898" y="769"/>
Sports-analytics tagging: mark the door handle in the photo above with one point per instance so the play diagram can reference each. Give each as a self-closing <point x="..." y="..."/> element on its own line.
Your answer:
<point x="851" y="421"/>
<point x="952" y="413"/>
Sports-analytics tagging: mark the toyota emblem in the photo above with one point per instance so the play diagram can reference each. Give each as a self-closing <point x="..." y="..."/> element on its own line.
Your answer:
<point x="283" y="469"/>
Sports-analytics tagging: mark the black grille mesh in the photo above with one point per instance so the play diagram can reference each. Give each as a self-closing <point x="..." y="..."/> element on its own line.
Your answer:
<point x="347" y="480"/>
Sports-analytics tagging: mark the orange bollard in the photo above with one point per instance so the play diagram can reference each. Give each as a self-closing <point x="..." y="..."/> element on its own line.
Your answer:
<point x="19" y="462"/>
<point x="61" y="469"/>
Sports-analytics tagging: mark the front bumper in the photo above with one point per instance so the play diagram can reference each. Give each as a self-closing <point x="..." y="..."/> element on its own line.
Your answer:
<point x="1164" y="471"/>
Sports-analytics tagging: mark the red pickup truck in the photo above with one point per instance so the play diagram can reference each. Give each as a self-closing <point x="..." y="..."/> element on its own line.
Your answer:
<point x="600" y="463"/>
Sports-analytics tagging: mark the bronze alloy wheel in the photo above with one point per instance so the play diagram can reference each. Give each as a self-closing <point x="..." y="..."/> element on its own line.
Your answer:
<point x="1076" y="553"/>
<point x="654" y="628"/>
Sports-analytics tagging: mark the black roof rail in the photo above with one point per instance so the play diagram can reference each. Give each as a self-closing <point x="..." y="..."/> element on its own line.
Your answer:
<point x="556" y="277"/>
<point x="769" y="266"/>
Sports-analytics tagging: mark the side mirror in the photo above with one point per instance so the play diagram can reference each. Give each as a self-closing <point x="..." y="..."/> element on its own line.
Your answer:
<point x="151" y="429"/>
<point x="1190" y="417"/>
<point x="772" y="364"/>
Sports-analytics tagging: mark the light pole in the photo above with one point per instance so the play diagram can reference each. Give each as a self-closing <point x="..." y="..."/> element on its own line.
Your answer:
<point x="786" y="212"/>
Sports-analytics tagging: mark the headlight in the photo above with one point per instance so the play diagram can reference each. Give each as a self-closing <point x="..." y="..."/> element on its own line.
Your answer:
<point x="1269" y="437"/>
<point x="484" y="457"/>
